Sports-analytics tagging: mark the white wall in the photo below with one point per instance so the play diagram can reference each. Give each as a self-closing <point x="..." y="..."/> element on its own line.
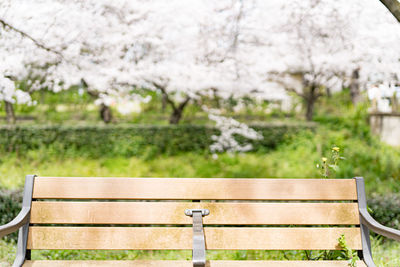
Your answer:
<point x="387" y="126"/>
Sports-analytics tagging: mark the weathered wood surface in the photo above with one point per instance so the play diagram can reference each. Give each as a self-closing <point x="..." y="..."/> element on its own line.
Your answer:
<point x="194" y="188"/>
<point x="173" y="213"/>
<point x="148" y="238"/>
<point x="155" y="263"/>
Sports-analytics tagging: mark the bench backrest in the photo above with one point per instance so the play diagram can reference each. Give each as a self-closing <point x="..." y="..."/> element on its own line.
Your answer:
<point x="260" y="214"/>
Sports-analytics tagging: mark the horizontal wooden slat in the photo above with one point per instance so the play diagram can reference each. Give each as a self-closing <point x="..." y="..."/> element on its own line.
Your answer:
<point x="173" y="213"/>
<point x="194" y="188"/>
<point x="158" y="263"/>
<point x="181" y="238"/>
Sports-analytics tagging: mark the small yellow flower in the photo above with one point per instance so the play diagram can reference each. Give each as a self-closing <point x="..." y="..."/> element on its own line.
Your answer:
<point x="324" y="159"/>
<point x="335" y="148"/>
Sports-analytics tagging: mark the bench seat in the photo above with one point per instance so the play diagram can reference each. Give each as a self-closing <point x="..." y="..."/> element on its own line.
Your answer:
<point x="102" y="213"/>
<point x="219" y="263"/>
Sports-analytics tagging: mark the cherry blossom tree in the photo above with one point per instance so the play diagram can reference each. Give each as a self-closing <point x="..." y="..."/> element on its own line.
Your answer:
<point x="25" y="56"/>
<point x="325" y="45"/>
<point x="193" y="54"/>
<point x="316" y="34"/>
<point x="15" y="47"/>
<point x="186" y="50"/>
<point x="70" y="43"/>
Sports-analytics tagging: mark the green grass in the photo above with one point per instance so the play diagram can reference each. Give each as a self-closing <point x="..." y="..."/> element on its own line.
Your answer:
<point x="7" y="253"/>
<point x="386" y="253"/>
<point x="295" y="158"/>
<point x="275" y="164"/>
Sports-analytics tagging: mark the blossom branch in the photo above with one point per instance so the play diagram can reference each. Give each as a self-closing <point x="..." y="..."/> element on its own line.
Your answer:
<point x="24" y="34"/>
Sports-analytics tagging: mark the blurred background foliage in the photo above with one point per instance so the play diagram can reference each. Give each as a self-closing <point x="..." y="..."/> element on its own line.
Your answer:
<point x="64" y="136"/>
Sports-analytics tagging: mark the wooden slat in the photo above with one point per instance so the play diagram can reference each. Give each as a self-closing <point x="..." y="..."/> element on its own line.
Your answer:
<point x="194" y="188"/>
<point x="181" y="238"/>
<point x="173" y="213"/>
<point x="158" y="263"/>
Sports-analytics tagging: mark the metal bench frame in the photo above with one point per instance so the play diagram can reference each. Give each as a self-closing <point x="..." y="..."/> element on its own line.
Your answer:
<point x="21" y="223"/>
<point x="367" y="223"/>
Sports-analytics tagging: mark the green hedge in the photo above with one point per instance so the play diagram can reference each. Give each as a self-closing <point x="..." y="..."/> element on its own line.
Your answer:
<point x="128" y="140"/>
<point x="10" y="205"/>
<point x="386" y="209"/>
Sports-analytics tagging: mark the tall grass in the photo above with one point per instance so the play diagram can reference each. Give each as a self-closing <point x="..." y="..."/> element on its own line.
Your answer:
<point x="295" y="158"/>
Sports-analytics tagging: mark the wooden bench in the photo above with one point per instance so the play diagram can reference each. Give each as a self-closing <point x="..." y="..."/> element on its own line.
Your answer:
<point x="244" y="214"/>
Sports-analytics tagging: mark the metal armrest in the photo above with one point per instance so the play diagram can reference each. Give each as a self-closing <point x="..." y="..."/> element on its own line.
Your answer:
<point x="366" y="218"/>
<point x="19" y="221"/>
<point x="368" y="223"/>
<point x="378" y="228"/>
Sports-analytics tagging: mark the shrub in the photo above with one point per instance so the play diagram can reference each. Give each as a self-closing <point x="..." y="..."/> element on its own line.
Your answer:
<point x="10" y="206"/>
<point x="128" y="140"/>
<point x="386" y="209"/>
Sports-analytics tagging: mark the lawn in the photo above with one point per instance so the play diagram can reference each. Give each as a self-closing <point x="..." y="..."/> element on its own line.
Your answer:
<point x="296" y="157"/>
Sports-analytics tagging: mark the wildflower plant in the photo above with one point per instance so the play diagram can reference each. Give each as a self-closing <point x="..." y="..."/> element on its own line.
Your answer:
<point x="327" y="167"/>
<point x="330" y="165"/>
<point x="347" y="253"/>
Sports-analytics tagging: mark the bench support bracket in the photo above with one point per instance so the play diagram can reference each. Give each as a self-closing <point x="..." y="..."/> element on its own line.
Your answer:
<point x="365" y="239"/>
<point x="199" y="243"/>
<point x="22" y="252"/>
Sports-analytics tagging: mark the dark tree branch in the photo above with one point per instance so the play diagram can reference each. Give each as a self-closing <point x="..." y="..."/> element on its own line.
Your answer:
<point x="26" y="35"/>
<point x="177" y="110"/>
<point x="10" y="114"/>
<point x="393" y="6"/>
<point x="92" y="93"/>
<point x="184" y="103"/>
<point x="165" y="94"/>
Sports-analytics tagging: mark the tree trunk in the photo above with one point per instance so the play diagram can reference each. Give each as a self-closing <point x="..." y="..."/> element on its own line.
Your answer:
<point x="176" y="116"/>
<point x="10" y="114"/>
<point x="164" y="102"/>
<point x="105" y="113"/>
<point x="216" y="99"/>
<point x="310" y="100"/>
<point x="355" y="87"/>
<point x="328" y="92"/>
<point x="177" y="113"/>
<point x="395" y="104"/>
<point x="310" y="110"/>
<point x="393" y="6"/>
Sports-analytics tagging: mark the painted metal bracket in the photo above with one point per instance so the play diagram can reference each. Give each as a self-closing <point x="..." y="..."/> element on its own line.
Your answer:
<point x="368" y="223"/>
<point x="22" y="252"/>
<point x="21" y="222"/>
<point x="199" y="243"/>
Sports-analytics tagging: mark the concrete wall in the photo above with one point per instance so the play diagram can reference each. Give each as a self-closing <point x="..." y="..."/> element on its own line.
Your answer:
<point x="387" y="126"/>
